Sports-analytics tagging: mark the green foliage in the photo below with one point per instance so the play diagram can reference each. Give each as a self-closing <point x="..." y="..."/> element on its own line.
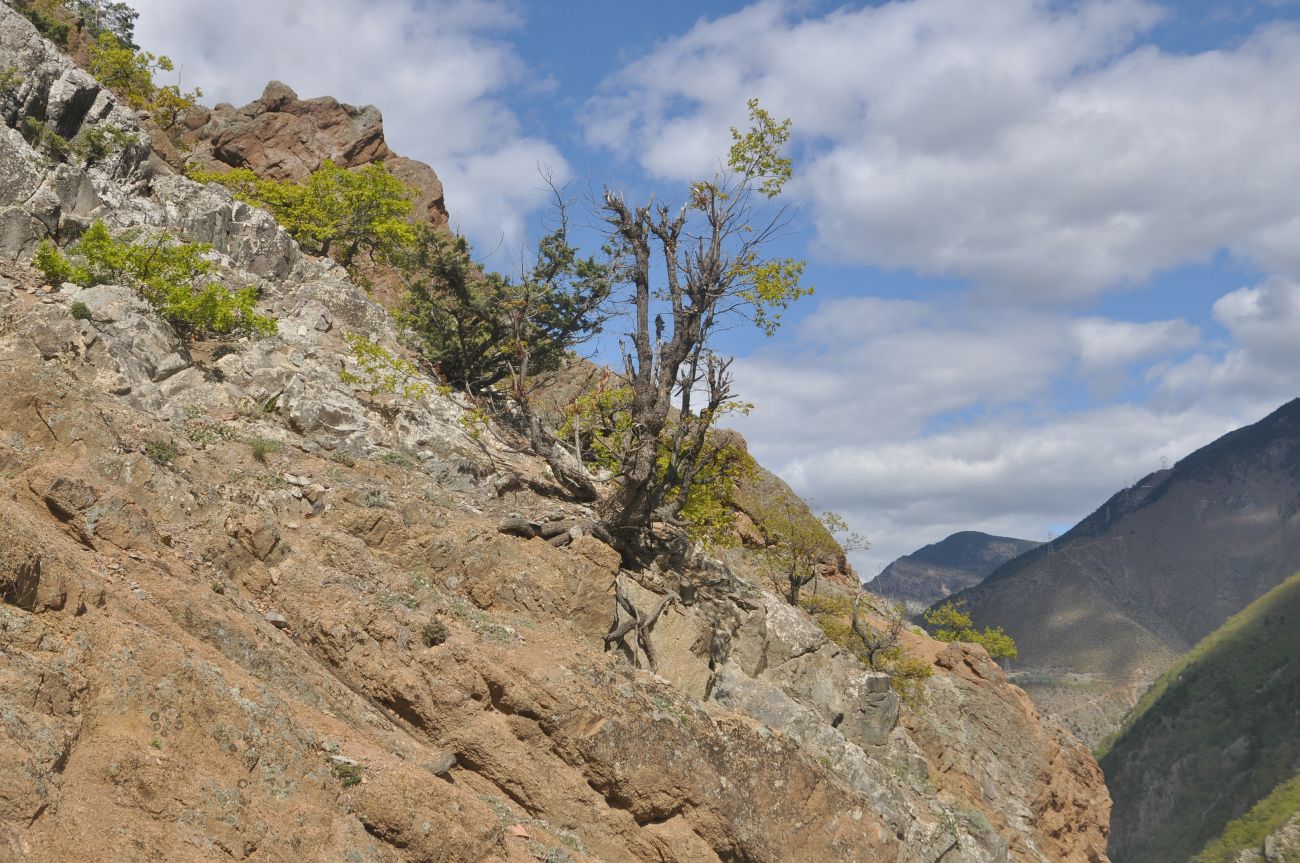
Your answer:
<point x="36" y="134"/>
<point x="334" y="209"/>
<point x="348" y="774"/>
<point x="162" y="270"/>
<point x="434" y="633"/>
<point x="262" y="447"/>
<point x="1250" y="830"/>
<point x="380" y="372"/>
<point x="10" y="80"/>
<point x="130" y="74"/>
<point x="396" y="459"/>
<point x="689" y="271"/>
<point x="49" y="17"/>
<point x="161" y="452"/>
<point x="1217" y="731"/>
<point x="950" y="623"/>
<point x="708" y="507"/>
<point x="101" y="17"/>
<point x="874" y="642"/>
<point x="94" y="144"/>
<point x="756" y="153"/>
<point x="79" y="311"/>
<point x="798" y="539"/>
<point x="601" y="420"/>
<point x="478" y="328"/>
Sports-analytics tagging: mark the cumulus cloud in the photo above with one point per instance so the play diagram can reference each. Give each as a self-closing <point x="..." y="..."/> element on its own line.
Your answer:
<point x="439" y="71"/>
<point x="1035" y="148"/>
<point x="1262" y="360"/>
<point x="916" y="419"/>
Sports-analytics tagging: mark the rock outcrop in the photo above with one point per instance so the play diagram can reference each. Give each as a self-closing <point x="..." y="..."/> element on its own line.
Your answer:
<point x="248" y="612"/>
<point x="282" y="137"/>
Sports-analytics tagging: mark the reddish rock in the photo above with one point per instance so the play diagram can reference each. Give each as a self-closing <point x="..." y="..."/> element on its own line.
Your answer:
<point x="286" y="138"/>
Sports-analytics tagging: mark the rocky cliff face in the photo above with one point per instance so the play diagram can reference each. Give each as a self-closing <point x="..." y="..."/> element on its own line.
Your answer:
<point x="930" y="574"/>
<point x="324" y="648"/>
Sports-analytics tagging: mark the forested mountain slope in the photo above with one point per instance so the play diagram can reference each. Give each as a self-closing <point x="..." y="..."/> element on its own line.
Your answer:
<point x="1217" y="733"/>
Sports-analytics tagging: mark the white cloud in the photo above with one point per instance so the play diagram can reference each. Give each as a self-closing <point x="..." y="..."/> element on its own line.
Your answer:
<point x="438" y="71"/>
<point x="1261" y="363"/>
<point x="1033" y="147"/>
<point x="917" y="419"/>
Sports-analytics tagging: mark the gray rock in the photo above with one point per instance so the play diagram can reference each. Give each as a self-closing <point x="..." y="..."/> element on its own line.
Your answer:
<point x="279" y="621"/>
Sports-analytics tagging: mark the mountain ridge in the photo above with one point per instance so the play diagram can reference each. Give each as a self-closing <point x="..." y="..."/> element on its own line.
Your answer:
<point x="942" y="568"/>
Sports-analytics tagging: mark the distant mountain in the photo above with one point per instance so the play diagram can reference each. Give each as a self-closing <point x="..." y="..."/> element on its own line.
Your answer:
<point x="1161" y="564"/>
<point x="1215" y="739"/>
<point x="942" y="568"/>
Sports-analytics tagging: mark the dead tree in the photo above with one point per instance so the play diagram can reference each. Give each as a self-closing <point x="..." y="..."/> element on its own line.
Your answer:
<point x="637" y="622"/>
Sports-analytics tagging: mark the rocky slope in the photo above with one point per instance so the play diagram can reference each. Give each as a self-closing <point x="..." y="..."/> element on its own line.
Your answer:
<point x="249" y="613"/>
<point x="940" y="569"/>
<point x="1214" y="736"/>
<point x="1103" y="609"/>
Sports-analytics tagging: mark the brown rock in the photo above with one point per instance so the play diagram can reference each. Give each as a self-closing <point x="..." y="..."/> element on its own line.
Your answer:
<point x="282" y="137"/>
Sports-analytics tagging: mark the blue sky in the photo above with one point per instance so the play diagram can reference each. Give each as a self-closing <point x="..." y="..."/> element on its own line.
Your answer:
<point x="1054" y="243"/>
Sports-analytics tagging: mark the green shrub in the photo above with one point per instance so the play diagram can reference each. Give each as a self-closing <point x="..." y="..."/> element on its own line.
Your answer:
<point x="10" y="80"/>
<point x="79" y="311"/>
<point x="262" y="447"/>
<point x="381" y="372"/>
<point x="1250" y="830"/>
<point x="161" y="452"/>
<point x="479" y="328"/>
<point x="950" y="624"/>
<point x="876" y="646"/>
<point x="48" y="17"/>
<point x="162" y="270"/>
<point x="396" y="459"/>
<point x="130" y="74"/>
<point x="434" y="633"/>
<point x="348" y="774"/>
<point x="333" y="210"/>
<point x="93" y="144"/>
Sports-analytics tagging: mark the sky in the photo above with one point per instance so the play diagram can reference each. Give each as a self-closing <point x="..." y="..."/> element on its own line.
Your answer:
<point x="1055" y="245"/>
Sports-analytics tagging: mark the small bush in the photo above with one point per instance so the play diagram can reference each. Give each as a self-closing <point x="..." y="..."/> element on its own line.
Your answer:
<point x="262" y="447"/>
<point x="10" y="80"/>
<point x="434" y="633"/>
<point x="396" y="459"/>
<point x="48" y="16"/>
<point x="950" y="623"/>
<point x="376" y="498"/>
<point x="333" y="210"/>
<point x="79" y="311"/>
<point x="165" y="272"/>
<point x="348" y="774"/>
<point x="130" y="74"/>
<point x="161" y="452"/>
<point x="381" y="373"/>
<point x="344" y="458"/>
<point x="94" y="144"/>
